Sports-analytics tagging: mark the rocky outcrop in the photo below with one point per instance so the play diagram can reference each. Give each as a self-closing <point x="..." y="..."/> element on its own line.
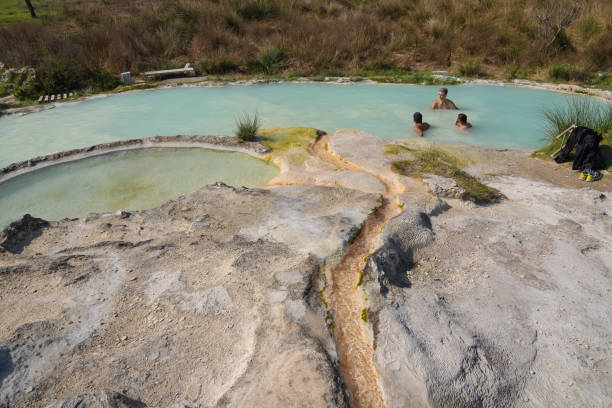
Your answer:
<point x="444" y="187"/>
<point x="19" y="233"/>
<point x="496" y="300"/>
<point x="401" y="237"/>
<point x="209" y="300"/>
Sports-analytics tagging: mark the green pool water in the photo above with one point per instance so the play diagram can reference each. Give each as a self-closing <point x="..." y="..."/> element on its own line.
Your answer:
<point x="503" y="117"/>
<point x="129" y="180"/>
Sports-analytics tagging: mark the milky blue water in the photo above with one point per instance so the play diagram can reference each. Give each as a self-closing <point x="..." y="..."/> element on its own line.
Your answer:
<point x="503" y="117"/>
<point x="129" y="180"/>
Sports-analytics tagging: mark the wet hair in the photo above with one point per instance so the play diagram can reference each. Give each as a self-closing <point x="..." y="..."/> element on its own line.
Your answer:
<point x="418" y="118"/>
<point x="462" y="117"/>
<point x="445" y="90"/>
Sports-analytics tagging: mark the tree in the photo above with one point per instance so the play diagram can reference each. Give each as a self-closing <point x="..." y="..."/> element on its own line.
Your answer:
<point x="554" y="17"/>
<point x="31" y="8"/>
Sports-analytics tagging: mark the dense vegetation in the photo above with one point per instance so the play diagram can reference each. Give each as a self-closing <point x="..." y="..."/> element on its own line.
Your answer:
<point x="565" y="40"/>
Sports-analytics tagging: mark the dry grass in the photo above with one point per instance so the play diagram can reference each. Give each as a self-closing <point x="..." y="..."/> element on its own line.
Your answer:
<point x="309" y="37"/>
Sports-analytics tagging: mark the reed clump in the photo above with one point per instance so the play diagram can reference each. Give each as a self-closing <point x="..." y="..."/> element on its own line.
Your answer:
<point x="580" y="111"/>
<point x="247" y="127"/>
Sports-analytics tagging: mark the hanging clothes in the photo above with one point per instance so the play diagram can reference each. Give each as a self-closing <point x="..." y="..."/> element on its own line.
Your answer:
<point x="588" y="155"/>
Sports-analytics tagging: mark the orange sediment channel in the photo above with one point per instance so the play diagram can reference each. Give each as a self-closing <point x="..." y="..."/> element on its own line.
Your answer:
<point x="354" y="341"/>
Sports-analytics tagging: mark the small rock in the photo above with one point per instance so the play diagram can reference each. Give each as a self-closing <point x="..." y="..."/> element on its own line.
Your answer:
<point x="444" y="187"/>
<point x="123" y="214"/>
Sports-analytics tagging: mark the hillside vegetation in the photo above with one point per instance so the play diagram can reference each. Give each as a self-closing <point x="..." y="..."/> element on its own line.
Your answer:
<point x="564" y="40"/>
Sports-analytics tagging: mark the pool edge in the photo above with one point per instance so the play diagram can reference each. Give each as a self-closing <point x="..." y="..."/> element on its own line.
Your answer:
<point x="209" y="142"/>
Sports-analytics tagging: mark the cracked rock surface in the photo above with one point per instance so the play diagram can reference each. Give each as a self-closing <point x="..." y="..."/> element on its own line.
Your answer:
<point x="208" y="300"/>
<point x="508" y="305"/>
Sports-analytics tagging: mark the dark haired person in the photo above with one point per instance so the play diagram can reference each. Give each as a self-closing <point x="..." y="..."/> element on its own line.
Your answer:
<point x="462" y="122"/>
<point x="419" y="126"/>
<point x="442" y="102"/>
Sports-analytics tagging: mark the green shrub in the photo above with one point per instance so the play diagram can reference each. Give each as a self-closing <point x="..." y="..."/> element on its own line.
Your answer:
<point x="218" y="66"/>
<point x="392" y="9"/>
<point x="268" y="60"/>
<point x="64" y="77"/>
<point x="470" y="69"/>
<point x="247" y="127"/>
<point x="257" y="9"/>
<point x="588" y="27"/>
<point x="380" y="63"/>
<point x="567" y="72"/>
<point x="599" y="51"/>
<point x="5" y="90"/>
<point x="100" y="79"/>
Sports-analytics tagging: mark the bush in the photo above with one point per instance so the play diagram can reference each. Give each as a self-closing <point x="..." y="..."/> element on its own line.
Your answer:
<point x="470" y="69"/>
<point x="392" y="9"/>
<point x="599" y="51"/>
<point x="247" y="127"/>
<point x="567" y="72"/>
<point x="219" y="66"/>
<point x="100" y="80"/>
<point x="257" y="9"/>
<point x="268" y="60"/>
<point x="64" y="77"/>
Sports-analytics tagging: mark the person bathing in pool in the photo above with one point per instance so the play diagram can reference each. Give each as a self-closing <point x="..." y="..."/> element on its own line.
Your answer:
<point x="442" y="102"/>
<point x="462" y="122"/>
<point x="419" y="126"/>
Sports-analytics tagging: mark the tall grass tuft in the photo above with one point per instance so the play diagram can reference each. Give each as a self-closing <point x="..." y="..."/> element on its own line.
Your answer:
<point x="247" y="127"/>
<point x="268" y="60"/>
<point x="580" y="111"/>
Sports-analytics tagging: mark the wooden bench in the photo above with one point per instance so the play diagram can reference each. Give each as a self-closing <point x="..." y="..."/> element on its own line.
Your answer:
<point x="188" y="70"/>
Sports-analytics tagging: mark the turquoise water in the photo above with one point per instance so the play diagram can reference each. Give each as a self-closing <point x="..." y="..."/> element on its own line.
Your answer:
<point x="129" y="180"/>
<point x="503" y="117"/>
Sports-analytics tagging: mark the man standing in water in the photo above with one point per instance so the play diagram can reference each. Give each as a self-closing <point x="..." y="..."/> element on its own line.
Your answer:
<point x="419" y="126"/>
<point x="442" y="102"/>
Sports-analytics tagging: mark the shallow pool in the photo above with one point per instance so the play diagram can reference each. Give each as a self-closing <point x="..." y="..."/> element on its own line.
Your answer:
<point x="134" y="179"/>
<point x="503" y="117"/>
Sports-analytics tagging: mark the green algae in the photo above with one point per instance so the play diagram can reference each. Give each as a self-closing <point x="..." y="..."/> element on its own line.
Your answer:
<point x="434" y="161"/>
<point x="364" y="314"/>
